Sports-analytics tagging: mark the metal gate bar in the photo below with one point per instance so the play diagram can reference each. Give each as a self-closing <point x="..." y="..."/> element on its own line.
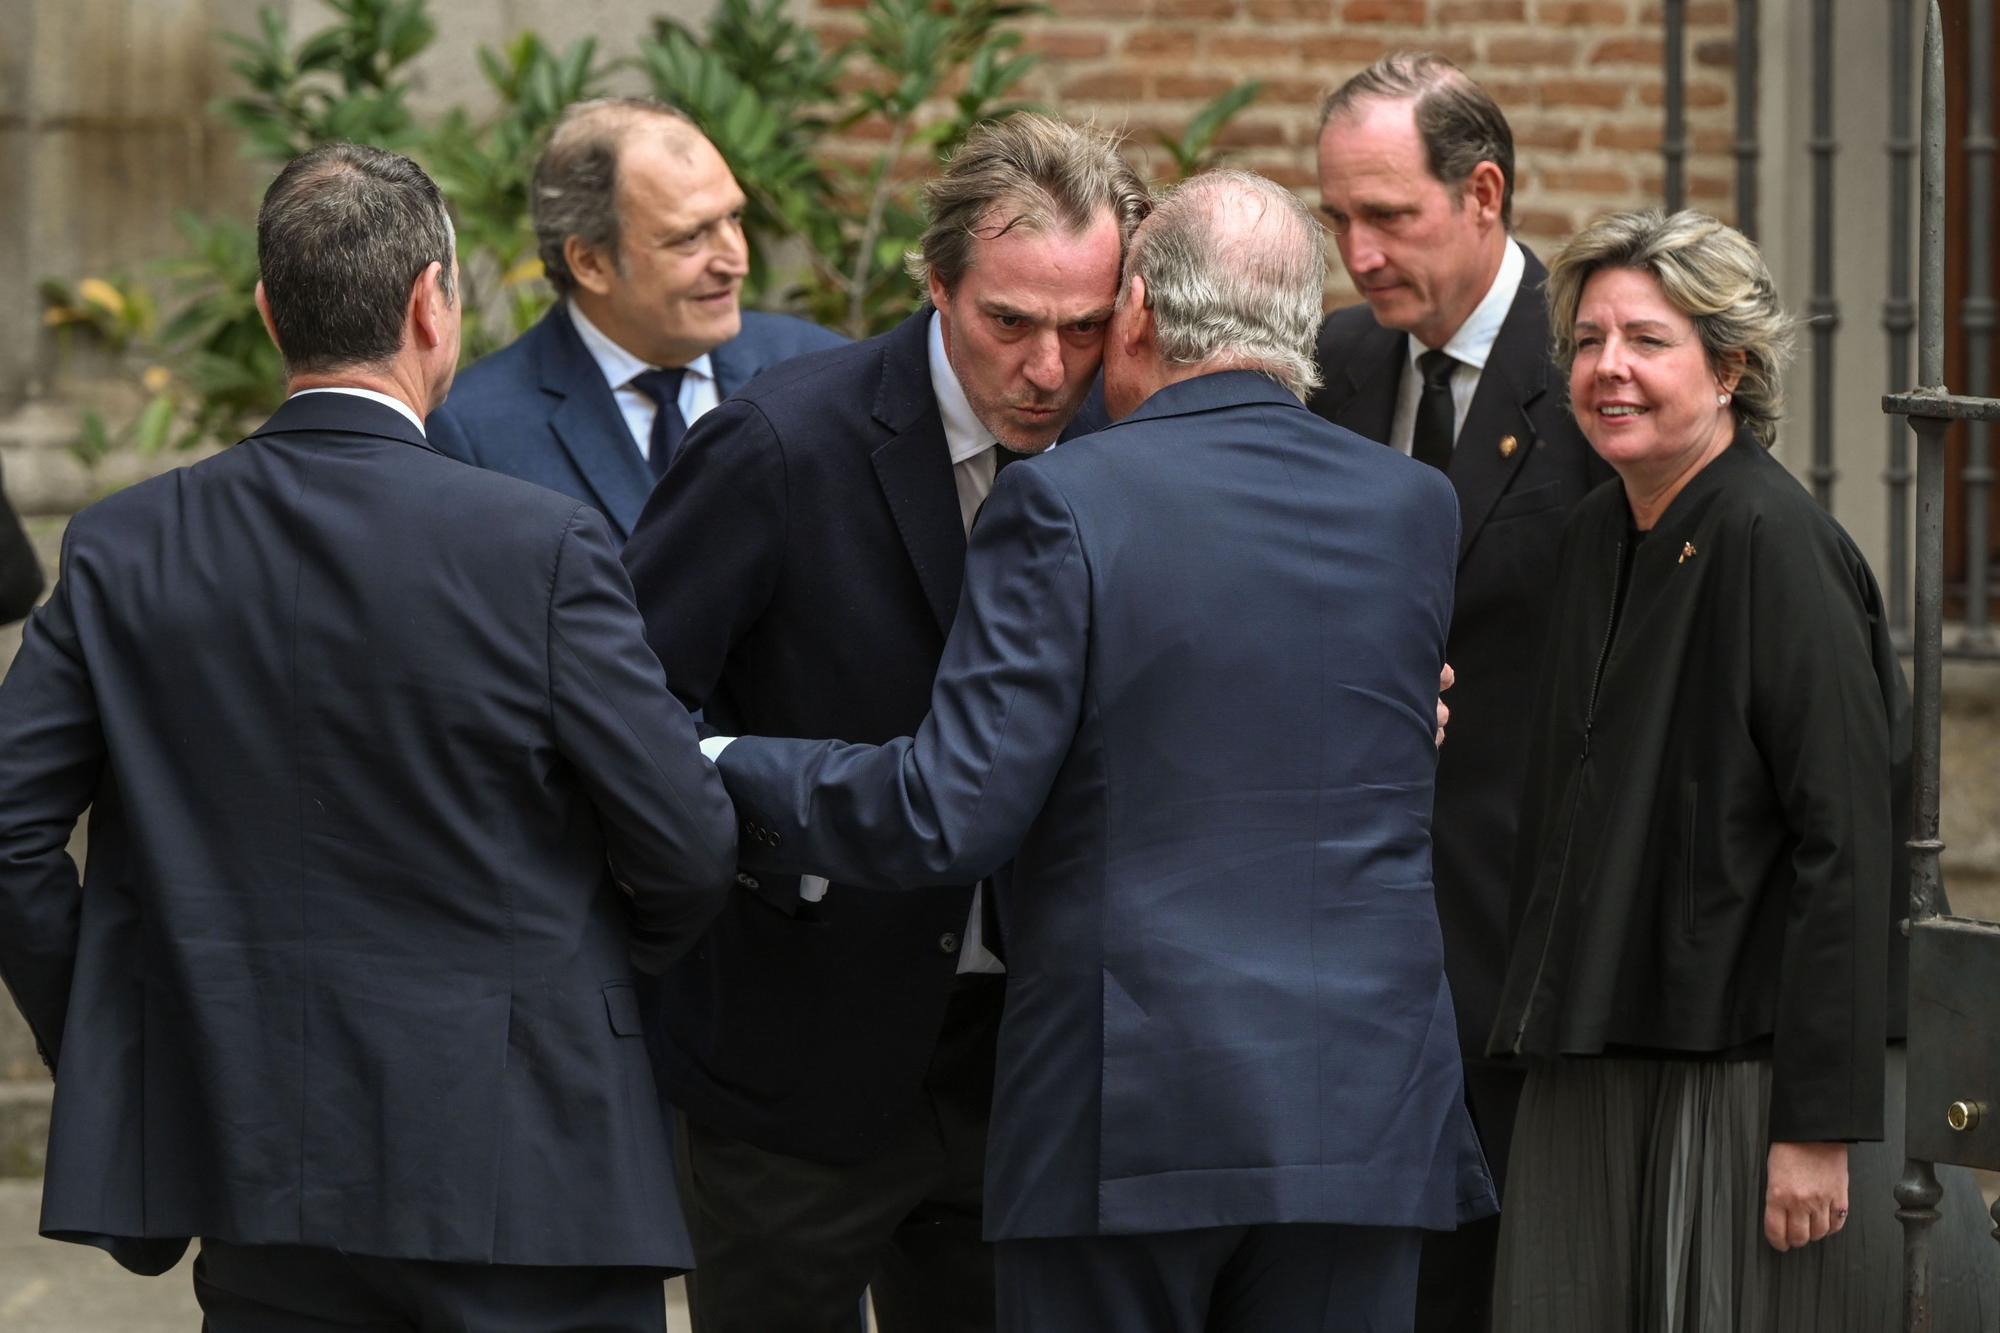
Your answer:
<point x="1825" y="310"/>
<point x="1745" y="147"/>
<point x="1976" y="312"/>
<point x="1929" y="409"/>
<point x="1673" y="137"/>
<point x="1898" y="313"/>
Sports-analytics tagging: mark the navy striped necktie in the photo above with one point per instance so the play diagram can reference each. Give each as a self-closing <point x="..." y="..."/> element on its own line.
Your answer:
<point x="664" y="388"/>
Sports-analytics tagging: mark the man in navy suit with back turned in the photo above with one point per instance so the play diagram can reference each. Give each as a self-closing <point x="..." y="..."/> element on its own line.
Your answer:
<point x="832" y="1049"/>
<point x="1188" y="698"/>
<point x="388" y="798"/>
<point x="1448" y="361"/>
<point x="640" y="225"/>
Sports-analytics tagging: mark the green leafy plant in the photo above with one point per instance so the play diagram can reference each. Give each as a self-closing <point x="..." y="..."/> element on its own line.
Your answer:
<point x="1194" y="150"/>
<point x="830" y="146"/>
<point x="345" y="82"/>
<point x="486" y="171"/>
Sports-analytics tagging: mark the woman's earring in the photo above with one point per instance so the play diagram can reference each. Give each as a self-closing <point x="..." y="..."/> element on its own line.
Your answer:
<point x="1722" y="400"/>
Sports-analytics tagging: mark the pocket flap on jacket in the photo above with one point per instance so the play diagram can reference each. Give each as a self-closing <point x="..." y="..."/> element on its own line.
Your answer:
<point x="621" y="1004"/>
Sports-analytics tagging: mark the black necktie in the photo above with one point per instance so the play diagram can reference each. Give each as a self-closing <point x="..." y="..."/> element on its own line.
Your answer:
<point x="1430" y="441"/>
<point x="1002" y="456"/>
<point x="664" y="388"/>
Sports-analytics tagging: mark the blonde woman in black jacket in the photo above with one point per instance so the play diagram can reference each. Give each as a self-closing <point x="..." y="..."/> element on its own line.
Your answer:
<point x="1705" y="979"/>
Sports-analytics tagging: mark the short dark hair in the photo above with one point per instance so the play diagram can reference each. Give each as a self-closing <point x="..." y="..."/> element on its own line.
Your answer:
<point x="343" y="233"/>
<point x="575" y="191"/>
<point x="1459" y="124"/>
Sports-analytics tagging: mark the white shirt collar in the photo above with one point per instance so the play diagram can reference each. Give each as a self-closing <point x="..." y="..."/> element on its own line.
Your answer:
<point x="382" y="398"/>
<point x="963" y="432"/>
<point x="619" y="365"/>
<point x="1473" y="342"/>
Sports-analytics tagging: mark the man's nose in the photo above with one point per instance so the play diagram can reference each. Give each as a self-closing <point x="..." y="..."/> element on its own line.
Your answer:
<point x="1359" y="251"/>
<point x="731" y="255"/>
<point x="1044" y="366"/>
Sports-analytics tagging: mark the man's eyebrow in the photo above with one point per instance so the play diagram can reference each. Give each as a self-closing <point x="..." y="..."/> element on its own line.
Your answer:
<point x="991" y="306"/>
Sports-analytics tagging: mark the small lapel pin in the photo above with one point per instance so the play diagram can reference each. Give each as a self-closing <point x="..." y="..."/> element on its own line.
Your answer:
<point x="1508" y="444"/>
<point x="1687" y="553"/>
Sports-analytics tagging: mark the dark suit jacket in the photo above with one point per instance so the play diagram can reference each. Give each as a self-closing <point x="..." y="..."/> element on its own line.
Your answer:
<point x="539" y="409"/>
<point x="364" y="733"/>
<point x="797" y="579"/>
<point x="1191" y="680"/>
<point x="1511" y="511"/>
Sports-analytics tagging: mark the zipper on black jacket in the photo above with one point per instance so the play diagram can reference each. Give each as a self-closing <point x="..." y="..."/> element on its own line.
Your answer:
<point x="1576" y="795"/>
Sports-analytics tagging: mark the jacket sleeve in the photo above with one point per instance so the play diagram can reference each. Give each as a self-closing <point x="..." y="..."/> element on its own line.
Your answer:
<point x="705" y="554"/>
<point x="952" y="803"/>
<point x="20" y="571"/>
<point x="1817" y="718"/>
<point x="51" y="753"/>
<point x="668" y="827"/>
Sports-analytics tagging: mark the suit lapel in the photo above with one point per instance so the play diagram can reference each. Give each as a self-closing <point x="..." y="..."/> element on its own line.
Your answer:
<point x="589" y="426"/>
<point x="1512" y="384"/>
<point x="913" y="467"/>
<point x="735" y="364"/>
<point x="1361" y="394"/>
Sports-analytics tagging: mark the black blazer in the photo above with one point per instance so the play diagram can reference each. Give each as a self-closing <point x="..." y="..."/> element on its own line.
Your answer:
<point x="797" y="577"/>
<point x="365" y="735"/>
<point x="1718" y="802"/>
<point x="1512" y="502"/>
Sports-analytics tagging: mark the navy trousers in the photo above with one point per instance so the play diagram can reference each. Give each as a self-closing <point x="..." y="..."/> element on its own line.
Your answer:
<point x="301" y="1289"/>
<point x="1264" y="1279"/>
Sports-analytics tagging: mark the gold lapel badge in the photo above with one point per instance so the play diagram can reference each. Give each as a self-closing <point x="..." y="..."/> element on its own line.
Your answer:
<point x="1508" y="444"/>
<point x="1687" y="553"/>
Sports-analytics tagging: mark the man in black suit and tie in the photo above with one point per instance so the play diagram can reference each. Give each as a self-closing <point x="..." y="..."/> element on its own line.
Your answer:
<point x="388" y="798"/>
<point x="832" y="1048"/>
<point x="1449" y="361"/>
<point x="640" y="227"/>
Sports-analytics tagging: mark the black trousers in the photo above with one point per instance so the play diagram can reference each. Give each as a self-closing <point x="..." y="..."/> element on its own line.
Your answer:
<point x="1455" y="1280"/>
<point x="300" y="1289"/>
<point x="1295" y="1278"/>
<point x="785" y="1245"/>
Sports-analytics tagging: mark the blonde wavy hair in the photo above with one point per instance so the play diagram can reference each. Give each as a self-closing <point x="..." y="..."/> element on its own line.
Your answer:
<point x="1710" y="272"/>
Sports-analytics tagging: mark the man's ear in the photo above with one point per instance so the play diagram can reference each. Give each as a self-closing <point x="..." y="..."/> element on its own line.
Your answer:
<point x="1486" y="189"/>
<point x="264" y="313"/>
<point x="428" y="305"/>
<point x="592" y="269"/>
<point x="1132" y="323"/>
<point x="940" y="294"/>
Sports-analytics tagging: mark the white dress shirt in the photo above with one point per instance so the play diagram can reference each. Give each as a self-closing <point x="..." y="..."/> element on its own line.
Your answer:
<point x="972" y="467"/>
<point x="409" y="414"/>
<point x="1470" y="347"/>
<point x="698" y="391"/>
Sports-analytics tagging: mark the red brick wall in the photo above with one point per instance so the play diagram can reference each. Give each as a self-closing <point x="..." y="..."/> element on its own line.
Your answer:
<point x="1580" y="81"/>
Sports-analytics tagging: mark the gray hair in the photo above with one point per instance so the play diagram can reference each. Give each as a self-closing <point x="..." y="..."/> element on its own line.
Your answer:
<point x="575" y="189"/>
<point x="1235" y="268"/>
<point x="1708" y="271"/>
<point x="343" y="233"/>
<point x="1459" y="124"/>
<point x="1028" y="171"/>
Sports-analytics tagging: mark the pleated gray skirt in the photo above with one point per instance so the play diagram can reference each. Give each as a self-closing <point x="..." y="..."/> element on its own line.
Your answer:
<point x="1635" y="1201"/>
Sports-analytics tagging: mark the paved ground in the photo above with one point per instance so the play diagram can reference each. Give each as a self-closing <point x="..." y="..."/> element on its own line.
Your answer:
<point x="47" y="1287"/>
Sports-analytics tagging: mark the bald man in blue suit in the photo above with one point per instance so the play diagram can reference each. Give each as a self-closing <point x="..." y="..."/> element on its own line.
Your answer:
<point x="1187" y="701"/>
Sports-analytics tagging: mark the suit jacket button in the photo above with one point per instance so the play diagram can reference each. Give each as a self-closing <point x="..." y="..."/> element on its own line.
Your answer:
<point x="747" y="881"/>
<point x="948" y="942"/>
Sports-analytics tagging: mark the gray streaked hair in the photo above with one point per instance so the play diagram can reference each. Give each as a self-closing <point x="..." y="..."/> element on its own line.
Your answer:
<point x="1235" y="268"/>
<point x="1458" y="122"/>
<point x="343" y="233"/>
<point x="1031" y="172"/>
<point x="575" y="189"/>
<point x="1710" y="272"/>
